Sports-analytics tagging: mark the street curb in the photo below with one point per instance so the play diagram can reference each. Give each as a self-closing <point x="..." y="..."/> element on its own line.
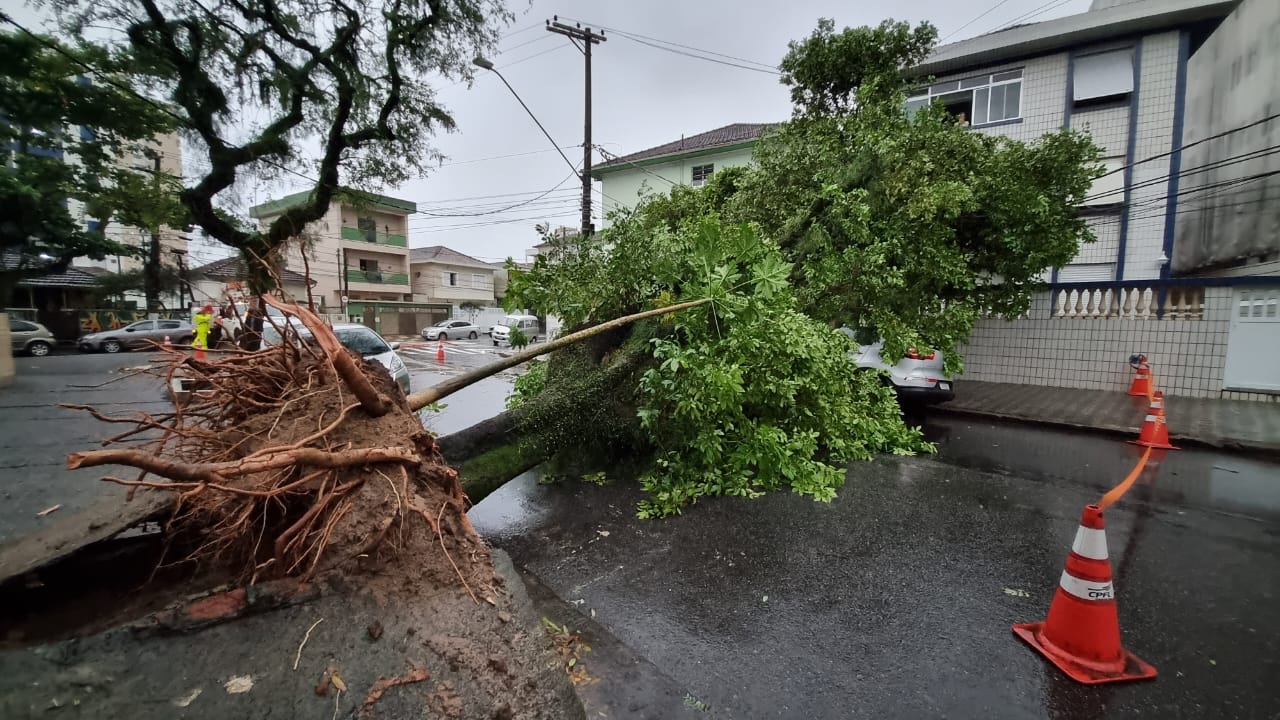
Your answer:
<point x="1244" y="447"/>
<point x="203" y="610"/>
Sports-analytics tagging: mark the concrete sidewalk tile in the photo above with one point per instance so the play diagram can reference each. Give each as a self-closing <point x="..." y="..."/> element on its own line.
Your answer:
<point x="1235" y="424"/>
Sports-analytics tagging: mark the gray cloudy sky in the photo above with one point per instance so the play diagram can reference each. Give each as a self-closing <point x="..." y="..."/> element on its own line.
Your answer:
<point x="642" y="97"/>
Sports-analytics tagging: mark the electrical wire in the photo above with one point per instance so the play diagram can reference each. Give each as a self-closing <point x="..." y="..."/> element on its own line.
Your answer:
<point x="567" y="178"/>
<point x="613" y="158"/>
<point x="698" y="57"/>
<point x="1185" y="146"/>
<point x="1034" y="12"/>
<point x="990" y="10"/>
<point x="631" y="35"/>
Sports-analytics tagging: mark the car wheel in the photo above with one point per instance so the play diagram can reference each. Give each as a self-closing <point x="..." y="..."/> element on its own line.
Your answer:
<point x="443" y="336"/>
<point x="495" y="343"/>
<point x="112" y="346"/>
<point x="185" y="340"/>
<point x="473" y="335"/>
<point x="39" y="348"/>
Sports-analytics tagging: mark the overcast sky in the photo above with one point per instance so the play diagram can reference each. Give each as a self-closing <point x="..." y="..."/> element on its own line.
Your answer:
<point x="643" y="97"/>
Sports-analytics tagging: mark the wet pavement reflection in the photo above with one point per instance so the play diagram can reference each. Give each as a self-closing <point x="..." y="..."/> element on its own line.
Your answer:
<point x="896" y="599"/>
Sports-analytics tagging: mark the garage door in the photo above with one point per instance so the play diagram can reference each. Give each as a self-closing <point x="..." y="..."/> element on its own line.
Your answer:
<point x="1254" y="342"/>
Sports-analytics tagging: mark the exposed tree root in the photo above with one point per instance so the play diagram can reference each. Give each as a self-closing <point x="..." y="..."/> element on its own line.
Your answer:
<point x="297" y="459"/>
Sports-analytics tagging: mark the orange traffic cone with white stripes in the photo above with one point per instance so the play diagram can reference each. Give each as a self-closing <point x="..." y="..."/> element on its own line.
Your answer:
<point x="1155" y="432"/>
<point x="1082" y="633"/>
<point x="440" y="351"/>
<point x="1141" y="384"/>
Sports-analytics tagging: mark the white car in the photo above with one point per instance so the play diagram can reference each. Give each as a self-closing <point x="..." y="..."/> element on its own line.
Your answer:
<point x="527" y="324"/>
<point x="451" y="330"/>
<point x="915" y="377"/>
<point x="359" y="339"/>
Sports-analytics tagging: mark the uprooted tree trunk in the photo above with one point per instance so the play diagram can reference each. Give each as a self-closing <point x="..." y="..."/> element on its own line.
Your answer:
<point x="303" y="459"/>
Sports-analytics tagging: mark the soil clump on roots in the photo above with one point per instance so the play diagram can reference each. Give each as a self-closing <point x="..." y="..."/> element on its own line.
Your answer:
<point x="301" y="466"/>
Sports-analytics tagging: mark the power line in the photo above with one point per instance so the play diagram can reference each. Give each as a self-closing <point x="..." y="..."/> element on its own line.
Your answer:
<point x="990" y="10"/>
<point x="567" y="178"/>
<point x="1209" y="166"/>
<point x="504" y="157"/>
<point x="613" y="158"/>
<point x="698" y="57"/>
<point x="1034" y="12"/>
<point x="1201" y="141"/>
<point x="631" y="35"/>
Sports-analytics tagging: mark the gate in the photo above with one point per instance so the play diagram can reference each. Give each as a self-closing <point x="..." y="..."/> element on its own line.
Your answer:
<point x="1254" y="341"/>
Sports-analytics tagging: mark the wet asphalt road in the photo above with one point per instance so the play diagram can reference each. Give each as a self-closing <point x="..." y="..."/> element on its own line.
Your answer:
<point x="893" y="601"/>
<point x="896" y="600"/>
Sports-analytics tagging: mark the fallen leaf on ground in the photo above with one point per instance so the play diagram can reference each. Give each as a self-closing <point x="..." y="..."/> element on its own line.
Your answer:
<point x="1016" y="592"/>
<point x="603" y="533"/>
<point x="48" y="510"/>
<point x="186" y="701"/>
<point x="239" y="684"/>
<point x="338" y="682"/>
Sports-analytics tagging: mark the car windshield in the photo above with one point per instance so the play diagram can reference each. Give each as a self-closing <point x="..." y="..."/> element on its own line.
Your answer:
<point x="511" y="321"/>
<point x="140" y="325"/>
<point x="363" y="341"/>
<point x="443" y="323"/>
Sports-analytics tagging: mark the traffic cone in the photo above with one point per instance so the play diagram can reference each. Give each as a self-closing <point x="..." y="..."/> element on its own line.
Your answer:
<point x="167" y="344"/>
<point x="1141" y="384"/>
<point x="1155" y="433"/>
<point x="440" y="351"/>
<point x="1082" y="633"/>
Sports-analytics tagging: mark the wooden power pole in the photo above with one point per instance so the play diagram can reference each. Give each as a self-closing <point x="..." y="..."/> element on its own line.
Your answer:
<point x="587" y="38"/>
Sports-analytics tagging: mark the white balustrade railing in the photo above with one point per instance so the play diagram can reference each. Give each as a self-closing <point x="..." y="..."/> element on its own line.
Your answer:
<point x="1137" y="302"/>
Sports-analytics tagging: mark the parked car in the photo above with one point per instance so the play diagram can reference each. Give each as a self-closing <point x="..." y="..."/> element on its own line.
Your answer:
<point x="357" y="338"/>
<point x="455" y="329"/>
<point x="915" y="377"/>
<point x="141" y="334"/>
<point x="527" y="324"/>
<point x="31" y="338"/>
<point x="231" y="325"/>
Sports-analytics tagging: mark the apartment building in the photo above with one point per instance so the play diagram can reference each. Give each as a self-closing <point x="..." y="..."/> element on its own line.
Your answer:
<point x="357" y="255"/>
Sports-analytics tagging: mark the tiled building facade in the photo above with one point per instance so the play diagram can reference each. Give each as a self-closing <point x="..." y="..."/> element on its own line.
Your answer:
<point x="1119" y="73"/>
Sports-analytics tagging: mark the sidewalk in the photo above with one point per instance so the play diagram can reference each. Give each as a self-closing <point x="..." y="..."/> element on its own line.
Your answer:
<point x="1228" y="424"/>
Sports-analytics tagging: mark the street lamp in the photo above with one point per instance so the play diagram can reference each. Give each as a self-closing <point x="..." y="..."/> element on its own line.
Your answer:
<point x="484" y="63"/>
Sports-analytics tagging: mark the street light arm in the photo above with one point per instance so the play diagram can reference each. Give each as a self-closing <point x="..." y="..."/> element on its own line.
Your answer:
<point x="487" y="65"/>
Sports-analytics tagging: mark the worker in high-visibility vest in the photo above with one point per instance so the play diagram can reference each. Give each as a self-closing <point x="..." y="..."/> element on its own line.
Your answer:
<point x="203" y="319"/>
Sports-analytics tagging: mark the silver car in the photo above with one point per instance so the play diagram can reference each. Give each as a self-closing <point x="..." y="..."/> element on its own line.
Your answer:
<point x="357" y="338"/>
<point x="917" y="377"/>
<point x="31" y="338"/>
<point x="451" y="329"/>
<point x="141" y="334"/>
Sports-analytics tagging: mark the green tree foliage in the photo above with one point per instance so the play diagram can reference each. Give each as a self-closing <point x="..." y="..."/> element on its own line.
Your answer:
<point x="854" y="213"/>
<point x="343" y="82"/>
<point x="911" y="224"/>
<point x="52" y="165"/>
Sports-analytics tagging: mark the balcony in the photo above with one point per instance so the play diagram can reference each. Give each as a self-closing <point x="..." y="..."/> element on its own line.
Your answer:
<point x="374" y="238"/>
<point x="377" y="277"/>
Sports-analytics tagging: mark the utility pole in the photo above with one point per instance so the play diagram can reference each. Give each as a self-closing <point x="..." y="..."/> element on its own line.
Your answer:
<point x="577" y="33"/>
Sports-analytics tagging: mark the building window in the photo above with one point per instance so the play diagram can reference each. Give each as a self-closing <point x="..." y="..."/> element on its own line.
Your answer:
<point x="450" y="279"/>
<point x="702" y="173"/>
<point x="477" y="281"/>
<point x="1108" y="189"/>
<point x="976" y="100"/>
<point x="369" y="227"/>
<point x="1102" y="77"/>
<point x="368" y="264"/>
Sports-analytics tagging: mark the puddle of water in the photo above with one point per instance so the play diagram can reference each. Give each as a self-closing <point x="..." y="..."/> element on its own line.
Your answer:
<point x="466" y="407"/>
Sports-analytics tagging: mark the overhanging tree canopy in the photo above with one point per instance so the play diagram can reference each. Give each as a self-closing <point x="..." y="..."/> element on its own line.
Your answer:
<point x="347" y="81"/>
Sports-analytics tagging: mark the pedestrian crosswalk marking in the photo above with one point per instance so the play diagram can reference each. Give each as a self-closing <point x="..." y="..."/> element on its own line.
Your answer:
<point x="431" y="351"/>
